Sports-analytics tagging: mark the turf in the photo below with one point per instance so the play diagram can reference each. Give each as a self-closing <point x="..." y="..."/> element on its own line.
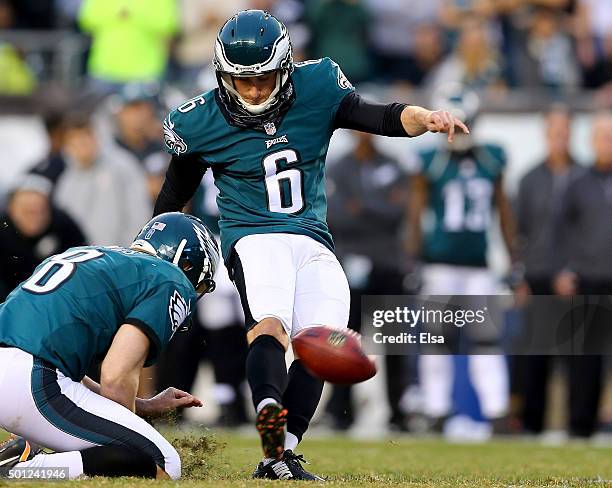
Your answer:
<point x="224" y="460"/>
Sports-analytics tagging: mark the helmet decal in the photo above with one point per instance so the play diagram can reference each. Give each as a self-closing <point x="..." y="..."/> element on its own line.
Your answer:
<point x="154" y="227"/>
<point x="179" y="252"/>
<point x="201" y="236"/>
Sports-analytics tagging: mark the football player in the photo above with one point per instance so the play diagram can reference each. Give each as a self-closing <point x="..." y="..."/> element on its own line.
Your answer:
<point x="89" y="304"/>
<point x="265" y="132"/>
<point x="462" y="187"/>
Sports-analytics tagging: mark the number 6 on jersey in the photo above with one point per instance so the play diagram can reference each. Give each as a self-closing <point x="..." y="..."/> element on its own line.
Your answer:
<point x="284" y="188"/>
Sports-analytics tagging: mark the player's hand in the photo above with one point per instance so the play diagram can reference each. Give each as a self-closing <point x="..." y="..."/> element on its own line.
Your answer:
<point x="168" y="400"/>
<point x="443" y="121"/>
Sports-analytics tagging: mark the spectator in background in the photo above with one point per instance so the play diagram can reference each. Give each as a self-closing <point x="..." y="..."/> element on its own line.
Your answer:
<point x="130" y="40"/>
<point x="292" y="14"/>
<point x="54" y="164"/>
<point x="339" y="31"/>
<point x="598" y="76"/>
<point x="592" y="25"/>
<point x="453" y="12"/>
<point x="200" y="24"/>
<point x="541" y="196"/>
<point x="425" y="55"/>
<point x="475" y="62"/>
<point x="599" y="73"/>
<point x="396" y="36"/>
<point x="587" y="240"/>
<point x="103" y="191"/>
<point x="367" y="198"/>
<point x="540" y="200"/>
<point x="139" y="133"/>
<point x="550" y="48"/>
<point x="67" y="12"/>
<point x="31" y="230"/>
<point x="17" y="78"/>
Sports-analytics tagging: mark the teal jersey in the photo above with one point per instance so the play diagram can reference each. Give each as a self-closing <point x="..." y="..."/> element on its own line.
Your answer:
<point x="70" y="309"/>
<point x="271" y="181"/>
<point x="461" y="197"/>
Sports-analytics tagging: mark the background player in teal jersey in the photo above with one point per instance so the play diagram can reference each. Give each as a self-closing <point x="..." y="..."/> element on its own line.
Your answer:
<point x="461" y="187"/>
<point x="264" y="133"/>
<point x="113" y="305"/>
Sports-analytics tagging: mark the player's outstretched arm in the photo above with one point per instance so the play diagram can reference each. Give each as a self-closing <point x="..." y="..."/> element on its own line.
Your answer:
<point x="394" y="119"/>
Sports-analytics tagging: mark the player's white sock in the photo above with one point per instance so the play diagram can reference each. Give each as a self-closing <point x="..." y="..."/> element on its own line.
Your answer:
<point x="291" y="441"/>
<point x="71" y="460"/>
<point x="264" y="402"/>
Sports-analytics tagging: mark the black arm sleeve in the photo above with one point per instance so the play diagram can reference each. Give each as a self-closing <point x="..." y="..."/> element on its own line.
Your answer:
<point x="182" y="179"/>
<point x="376" y="118"/>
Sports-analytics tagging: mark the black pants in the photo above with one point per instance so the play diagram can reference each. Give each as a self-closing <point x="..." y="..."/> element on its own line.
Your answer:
<point x="381" y="282"/>
<point x="584" y="373"/>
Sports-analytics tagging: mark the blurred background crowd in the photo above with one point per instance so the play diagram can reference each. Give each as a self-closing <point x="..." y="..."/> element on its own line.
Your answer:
<point x="84" y="85"/>
<point x="562" y="45"/>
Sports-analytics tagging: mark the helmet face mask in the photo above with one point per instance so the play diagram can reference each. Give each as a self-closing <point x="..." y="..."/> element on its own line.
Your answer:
<point x="253" y="43"/>
<point x="184" y="241"/>
<point x="229" y="84"/>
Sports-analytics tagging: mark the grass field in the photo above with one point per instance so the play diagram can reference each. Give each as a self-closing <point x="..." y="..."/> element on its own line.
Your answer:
<point x="224" y="460"/>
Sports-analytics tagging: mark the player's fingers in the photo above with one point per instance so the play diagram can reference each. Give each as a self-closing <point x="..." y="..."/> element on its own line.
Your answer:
<point x="462" y="126"/>
<point x="188" y="401"/>
<point x="451" y="129"/>
<point x="180" y="393"/>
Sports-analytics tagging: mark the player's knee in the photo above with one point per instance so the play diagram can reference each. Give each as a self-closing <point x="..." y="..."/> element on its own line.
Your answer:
<point x="269" y="326"/>
<point x="173" y="463"/>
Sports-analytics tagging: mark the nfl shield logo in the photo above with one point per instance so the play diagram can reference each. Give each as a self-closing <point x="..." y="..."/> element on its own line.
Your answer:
<point x="270" y="128"/>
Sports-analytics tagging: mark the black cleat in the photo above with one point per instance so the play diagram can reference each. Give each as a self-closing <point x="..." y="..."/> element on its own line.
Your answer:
<point x="270" y="424"/>
<point x="14" y="451"/>
<point x="287" y="468"/>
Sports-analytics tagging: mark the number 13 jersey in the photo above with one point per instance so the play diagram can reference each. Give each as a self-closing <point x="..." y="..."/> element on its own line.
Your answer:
<point x="272" y="181"/>
<point x="462" y="198"/>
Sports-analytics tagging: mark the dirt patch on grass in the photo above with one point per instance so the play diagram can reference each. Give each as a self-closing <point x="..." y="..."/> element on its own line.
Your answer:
<point x="198" y="454"/>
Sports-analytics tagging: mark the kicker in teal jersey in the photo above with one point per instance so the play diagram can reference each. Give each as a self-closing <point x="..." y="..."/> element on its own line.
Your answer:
<point x="272" y="181"/>
<point x="461" y="188"/>
<point x="72" y="306"/>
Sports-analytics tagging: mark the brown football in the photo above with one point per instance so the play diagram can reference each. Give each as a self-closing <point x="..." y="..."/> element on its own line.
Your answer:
<point x="333" y="355"/>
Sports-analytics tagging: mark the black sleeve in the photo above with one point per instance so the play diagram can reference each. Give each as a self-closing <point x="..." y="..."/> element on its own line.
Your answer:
<point x="376" y="118"/>
<point x="182" y="180"/>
